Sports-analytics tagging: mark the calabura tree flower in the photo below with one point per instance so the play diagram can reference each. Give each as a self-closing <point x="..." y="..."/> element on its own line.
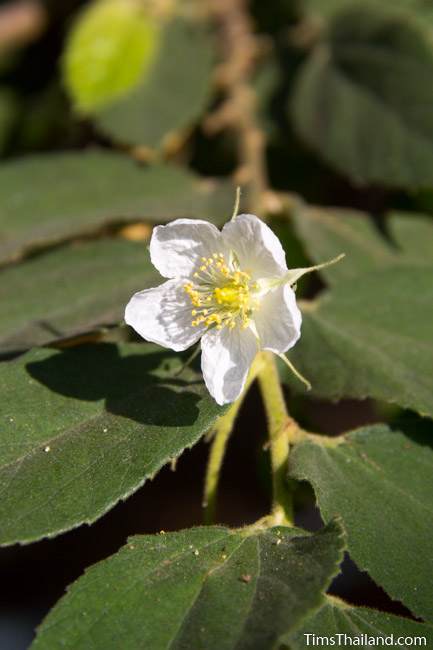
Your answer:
<point x="231" y="289"/>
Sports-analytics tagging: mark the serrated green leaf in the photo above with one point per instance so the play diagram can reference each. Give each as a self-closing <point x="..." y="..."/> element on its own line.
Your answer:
<point x="173" y="95"/>
<point x="338" y="618"/>
<point x="380" y="482"/>
<point x="371" y="337"/>
<point x="45" y="199"/>
<point x="84" y="428"/>
<point x="363" y="99"/>
<point x="326" y="232"/>
<point x="71" y="290"/>
<point x="207" y="588"/>
<point x="110" y="49"/>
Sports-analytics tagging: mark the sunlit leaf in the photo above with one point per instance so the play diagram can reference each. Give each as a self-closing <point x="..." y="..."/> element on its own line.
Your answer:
<point x="85" y="427"/>
<point x="207" y="588"/>
<point x="110" y="49"/>
<point x="173" y="95"/>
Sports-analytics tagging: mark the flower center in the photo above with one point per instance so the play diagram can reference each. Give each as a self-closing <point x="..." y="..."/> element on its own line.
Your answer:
<point x="221" y="293"/>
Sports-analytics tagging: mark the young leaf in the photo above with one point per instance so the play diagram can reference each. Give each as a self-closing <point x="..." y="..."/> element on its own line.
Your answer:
<point x="80" y="287"/>
<point x="363" y="99"/>
<point x="381" y="484"/>
<point x="338" y="618"/>
<point x="111" y="47"/>
<point x="45" y="199"/>
<point x="172" y="96"/>
<point x="84" y="428"/>
<point x="207" y="588"/>
<point x="326" y="232"/>
<point x="371" y="337"/>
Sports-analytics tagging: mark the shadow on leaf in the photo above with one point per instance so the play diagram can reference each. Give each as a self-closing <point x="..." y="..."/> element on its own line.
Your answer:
<point x="140" y="387"/>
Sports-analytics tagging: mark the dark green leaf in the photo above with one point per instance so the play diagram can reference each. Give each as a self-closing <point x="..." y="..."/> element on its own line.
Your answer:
<point x="45" y="199"/>
<point x="364" y="98"/>
<point x="71" y="290"/>
<point x="337" y="617"/>
<point x="381" y="483"/>
<point x="173" y="94"/>
<point x="84" y="428"/>
<point x="207" y="588"/>
<point x="326" y="232"/>
<point x="371" y="337"/>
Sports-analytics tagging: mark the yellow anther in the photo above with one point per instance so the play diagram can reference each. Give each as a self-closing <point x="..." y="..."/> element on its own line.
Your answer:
<point x="225" y="291"/>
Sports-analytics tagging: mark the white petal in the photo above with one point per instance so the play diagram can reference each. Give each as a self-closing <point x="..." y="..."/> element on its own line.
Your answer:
<point x="176" y="249"/>
<point x="226" y="358"/>
<point x="162" y="315"/>
<point x="256" y="246"/>
<point x="278" y="320"/>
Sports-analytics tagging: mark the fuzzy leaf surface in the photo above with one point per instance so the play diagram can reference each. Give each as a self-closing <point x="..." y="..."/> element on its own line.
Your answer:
<point x="327" y="232"/>
<point x="48" y="198"/>
<point x="210" y="588"/>
<point x="71" y="290"/>
<point x="336" y="617"/>
<point x="371" y="337"/>
<point x="363" y="98"/>
<point x="85" y="427"/>
<point x="380" y="482"/>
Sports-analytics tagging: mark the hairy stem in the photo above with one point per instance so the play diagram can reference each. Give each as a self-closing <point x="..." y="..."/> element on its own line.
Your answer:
<point x="281" y="430"/>
<point x="221" y="434"/>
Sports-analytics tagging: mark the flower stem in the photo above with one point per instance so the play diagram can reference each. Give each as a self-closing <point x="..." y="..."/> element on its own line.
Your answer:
<point x="281" y="429"/>
<point x="222" y="430"/>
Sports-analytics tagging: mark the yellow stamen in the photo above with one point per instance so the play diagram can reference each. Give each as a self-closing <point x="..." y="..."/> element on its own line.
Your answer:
<point x="225" y="290"/>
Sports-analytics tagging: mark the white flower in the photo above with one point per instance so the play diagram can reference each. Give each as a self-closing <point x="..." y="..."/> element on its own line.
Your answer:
<point x="232" y="289"/>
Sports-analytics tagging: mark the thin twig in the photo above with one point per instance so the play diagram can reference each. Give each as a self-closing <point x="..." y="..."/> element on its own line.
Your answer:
<point x="21" y="23"/>
<point x="240" y="50"/>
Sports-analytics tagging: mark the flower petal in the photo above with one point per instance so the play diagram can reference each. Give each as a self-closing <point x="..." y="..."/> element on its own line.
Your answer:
<point x="256" y="246"/>
<point x="176" y="249"/>
<point x="226" y="358"/>
<point x="278" y="320"/>
<point x="162" y="315"/>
